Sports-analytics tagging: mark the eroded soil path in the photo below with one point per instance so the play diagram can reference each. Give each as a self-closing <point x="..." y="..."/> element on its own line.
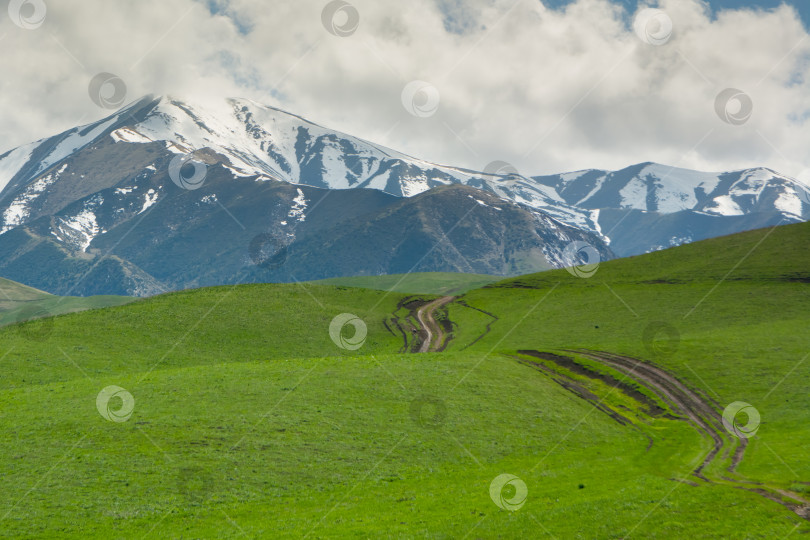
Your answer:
<point x="687" y="404"/>
<point x="681" y="401"/>
<point x="433" y="333"/>
<point x="418" y="323"/>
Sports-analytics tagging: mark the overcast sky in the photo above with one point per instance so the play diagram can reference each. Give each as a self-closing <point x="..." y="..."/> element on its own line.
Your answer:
<point x="570" y="86"/>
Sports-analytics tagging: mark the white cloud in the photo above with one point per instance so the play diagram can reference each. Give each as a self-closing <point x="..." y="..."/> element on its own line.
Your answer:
<point x="545" y="90"/>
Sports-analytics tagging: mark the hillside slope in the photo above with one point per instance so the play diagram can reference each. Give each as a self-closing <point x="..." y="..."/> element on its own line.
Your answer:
<point x="20" y="303"/>
<point x="416" y="282"/>
<point x="248" y="418"/>
<point x="727" y="316"/>
<point x="773" y="254"/>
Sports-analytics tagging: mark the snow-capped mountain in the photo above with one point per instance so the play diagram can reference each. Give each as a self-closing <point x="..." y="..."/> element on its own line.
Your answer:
<point x="667" y="206"/>
<point x="256" y="140"/>
<point x="103" y="200"/>
<point x="99" y="209"/>
<point x="657" y="188"/>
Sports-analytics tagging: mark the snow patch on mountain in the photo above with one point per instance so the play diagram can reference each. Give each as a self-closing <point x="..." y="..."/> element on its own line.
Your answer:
<point x="415" y="185"/>
<point x="13" y="161"/>
<point x="237" y="173"/>
<point x="751" y="183"/>
<point x="724" y="205"/>
<point x="380" y="181"/>
<point x="571" y="176"/>
<point x="634" y="194"/>
<point x="479" y="201"/>
<point x="81" y="229"/>
<point x="599" y="183"/>
<point x="16" y="160"/>
<point x="790" y="204"/>
<point x="150" y="198"/>
<point x="598" y="229"/>
<point x="188" y="128"/>
<point x="299" y="207"/>
<point x="335" y="173"/>
<point x="20" y="208"/>
<point x="76" y="139"/>
<point x="673" y="189"/>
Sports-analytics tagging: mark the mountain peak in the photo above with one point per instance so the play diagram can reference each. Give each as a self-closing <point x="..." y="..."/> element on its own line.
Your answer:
<point x="252" y="142"/>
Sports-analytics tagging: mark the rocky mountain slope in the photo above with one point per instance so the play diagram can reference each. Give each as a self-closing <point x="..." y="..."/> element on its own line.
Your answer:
<point x="649" y="206"/>
<point x="138" y="233"/>
<point x="163" y="195"/>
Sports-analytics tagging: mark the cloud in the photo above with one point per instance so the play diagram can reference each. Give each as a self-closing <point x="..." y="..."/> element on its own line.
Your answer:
<point x="546" y="90"/>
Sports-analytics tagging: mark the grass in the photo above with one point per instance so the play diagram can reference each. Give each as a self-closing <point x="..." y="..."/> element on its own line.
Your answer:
<point x="11" y="292"/>
<point x="438" y="283"/>
<point x="740" y="339"/>
<point x="250" y="421"/>
<point x="191" y="328"/>
<point x="270" y="448"/>
<point x="19" y="303"/>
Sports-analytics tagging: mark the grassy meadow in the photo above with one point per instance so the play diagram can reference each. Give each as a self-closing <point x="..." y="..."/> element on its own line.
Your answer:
<point x="249" y="420"/>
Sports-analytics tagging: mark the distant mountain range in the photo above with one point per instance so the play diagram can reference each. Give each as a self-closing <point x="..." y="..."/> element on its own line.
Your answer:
<point x="164" y="195"/>
<point x="648" y="206"/>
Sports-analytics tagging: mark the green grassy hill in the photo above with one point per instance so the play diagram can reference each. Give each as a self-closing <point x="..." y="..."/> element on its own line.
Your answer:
<point x="19" y="303"/>
<point x="249" y="420"/>
<point x="439" y="283"/>
<point x="731" y="313"/>
<point x="11" y="292"/>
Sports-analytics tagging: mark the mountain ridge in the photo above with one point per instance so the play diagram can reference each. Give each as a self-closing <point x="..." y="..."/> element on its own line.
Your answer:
<point x="258" y="140"/>
<point x="189" y="239"/>
<point x="76" y="197"/>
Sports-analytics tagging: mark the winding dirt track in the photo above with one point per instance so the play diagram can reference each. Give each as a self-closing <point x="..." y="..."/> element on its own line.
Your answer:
<point x="705" y="418"/>
<point x="433" y="332"/>
<point x="700" y="413"/>
<point x="696" y="409"/>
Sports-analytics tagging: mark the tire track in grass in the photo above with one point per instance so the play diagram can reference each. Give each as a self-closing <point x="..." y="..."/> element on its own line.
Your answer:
<point x="694" y="409"/>
<point x="433" y="331"/>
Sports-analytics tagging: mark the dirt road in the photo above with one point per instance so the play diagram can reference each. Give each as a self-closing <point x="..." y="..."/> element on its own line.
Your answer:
<point x="433" y="333"/>
<point x="685" y="402"/>
<point x="702" y="415"/>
